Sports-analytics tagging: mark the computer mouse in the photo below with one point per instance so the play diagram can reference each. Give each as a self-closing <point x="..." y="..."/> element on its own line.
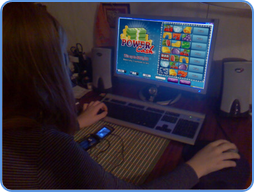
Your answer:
<point x="232" y="150"/>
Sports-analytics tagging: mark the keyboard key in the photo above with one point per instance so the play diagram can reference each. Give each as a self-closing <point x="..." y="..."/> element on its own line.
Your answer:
<point x="136" y="106"/>
<point x="159" y="128"/>
<point x="167" y="130"/>
<point x="164" y="128"/>
<point x="172" y="114"/>
<point x="155" y="110"/>
<point x="169" y="119"/>
<point x="117" y="101"/>
<point x="186" y="128"/>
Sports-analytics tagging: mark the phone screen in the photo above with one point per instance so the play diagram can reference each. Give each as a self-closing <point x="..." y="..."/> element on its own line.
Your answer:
<point x="103" y="132"/>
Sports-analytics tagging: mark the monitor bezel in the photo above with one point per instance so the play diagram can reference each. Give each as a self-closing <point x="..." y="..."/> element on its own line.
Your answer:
<point x="162" y="83"/>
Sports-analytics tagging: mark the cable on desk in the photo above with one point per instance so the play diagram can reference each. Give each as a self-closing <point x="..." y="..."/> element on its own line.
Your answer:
<point x="122" y="152"/>
<point x="214" y="108"/>
<point x="108" y="146"/>
<point x="101" y="151"/>
<point x="221" y="128"/>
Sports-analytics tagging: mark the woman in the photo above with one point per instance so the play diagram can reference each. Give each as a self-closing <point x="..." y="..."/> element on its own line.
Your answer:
<point x="39" y="116"/>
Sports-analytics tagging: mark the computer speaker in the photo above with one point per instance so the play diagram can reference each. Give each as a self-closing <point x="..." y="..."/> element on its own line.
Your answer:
<point x="102" y="64"/>
<point x="235" y="93"/>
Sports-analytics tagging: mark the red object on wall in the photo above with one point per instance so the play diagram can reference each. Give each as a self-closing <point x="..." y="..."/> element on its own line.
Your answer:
<point x="103" y="36"/>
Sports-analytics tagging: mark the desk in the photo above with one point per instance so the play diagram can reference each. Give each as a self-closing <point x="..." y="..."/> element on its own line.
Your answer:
<point x="239" y="130"/>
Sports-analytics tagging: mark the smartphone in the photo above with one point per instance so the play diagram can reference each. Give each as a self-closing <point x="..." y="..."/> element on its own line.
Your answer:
<point x="103" y="132"/>
<point x="89" y="142"/>
<point x="96" y="137"/>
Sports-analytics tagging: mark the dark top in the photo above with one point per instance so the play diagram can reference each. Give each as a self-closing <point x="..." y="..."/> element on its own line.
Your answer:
<point x="49" y="159"/>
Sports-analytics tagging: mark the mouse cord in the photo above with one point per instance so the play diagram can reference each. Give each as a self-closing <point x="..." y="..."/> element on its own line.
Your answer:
<point x="221" y="128"/>
<point x="213" y="108"/>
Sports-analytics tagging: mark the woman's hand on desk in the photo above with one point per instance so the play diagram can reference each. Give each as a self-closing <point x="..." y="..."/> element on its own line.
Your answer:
<point x="214" y="157"/>
<point x="89" y="114"/>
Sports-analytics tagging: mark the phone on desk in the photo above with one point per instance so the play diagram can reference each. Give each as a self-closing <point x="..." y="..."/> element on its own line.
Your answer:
<point x="96" y="137"/>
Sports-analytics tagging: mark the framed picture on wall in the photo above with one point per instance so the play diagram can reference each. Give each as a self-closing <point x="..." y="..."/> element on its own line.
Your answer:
<point x="112" y="9"/>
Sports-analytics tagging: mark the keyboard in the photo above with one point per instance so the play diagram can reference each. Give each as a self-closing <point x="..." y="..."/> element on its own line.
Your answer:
<point x="164" y="121"/>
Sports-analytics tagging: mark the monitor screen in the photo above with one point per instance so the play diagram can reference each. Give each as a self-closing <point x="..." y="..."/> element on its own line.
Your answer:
<point x="165" y="51"/>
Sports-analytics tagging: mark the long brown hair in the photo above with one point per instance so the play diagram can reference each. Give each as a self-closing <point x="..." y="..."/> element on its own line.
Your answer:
<point x="35" y="79"/>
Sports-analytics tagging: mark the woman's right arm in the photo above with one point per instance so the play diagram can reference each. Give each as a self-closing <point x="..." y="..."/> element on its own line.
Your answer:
<point x="74" y="168"/>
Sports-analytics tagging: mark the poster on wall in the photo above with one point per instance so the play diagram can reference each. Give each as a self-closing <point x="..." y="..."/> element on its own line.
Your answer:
<point x="111" y="10"/>
<point x="105" y="22"/>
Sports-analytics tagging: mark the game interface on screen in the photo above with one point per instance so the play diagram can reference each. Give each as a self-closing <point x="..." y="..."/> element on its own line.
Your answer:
<point x="169" y="51"/>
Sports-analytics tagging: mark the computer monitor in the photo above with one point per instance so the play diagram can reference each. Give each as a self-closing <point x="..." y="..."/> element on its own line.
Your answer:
<point x="171" y="52"/>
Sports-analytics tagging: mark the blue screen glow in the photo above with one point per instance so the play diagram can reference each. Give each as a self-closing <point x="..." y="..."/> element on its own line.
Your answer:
<point x="170" y="51"/>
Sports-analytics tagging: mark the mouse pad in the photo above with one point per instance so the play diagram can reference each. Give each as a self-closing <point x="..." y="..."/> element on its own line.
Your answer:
<point x="127" y="153"/>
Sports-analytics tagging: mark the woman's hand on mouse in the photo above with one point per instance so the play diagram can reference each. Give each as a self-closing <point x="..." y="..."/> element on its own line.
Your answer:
<point x="89" y="114"/>
<point x="213" y="157"/>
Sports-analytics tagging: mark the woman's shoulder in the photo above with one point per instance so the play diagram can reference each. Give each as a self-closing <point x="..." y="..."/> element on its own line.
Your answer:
<point x="51" y="131"/>
<point x="54" y="139"/>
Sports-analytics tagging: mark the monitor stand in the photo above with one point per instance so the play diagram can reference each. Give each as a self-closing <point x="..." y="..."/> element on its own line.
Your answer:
<point x="159" y="95"/>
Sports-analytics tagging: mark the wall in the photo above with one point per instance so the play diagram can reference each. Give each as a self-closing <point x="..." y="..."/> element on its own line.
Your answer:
<point x="234" y="37"/>
<point x="78" y="20"/>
